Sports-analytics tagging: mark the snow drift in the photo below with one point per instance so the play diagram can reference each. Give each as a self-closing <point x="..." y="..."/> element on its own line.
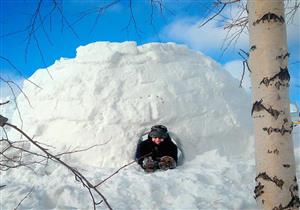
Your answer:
<point x="111" y="92"/>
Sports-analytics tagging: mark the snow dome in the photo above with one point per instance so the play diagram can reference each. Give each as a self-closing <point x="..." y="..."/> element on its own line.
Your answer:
<point x="110" y="93"/>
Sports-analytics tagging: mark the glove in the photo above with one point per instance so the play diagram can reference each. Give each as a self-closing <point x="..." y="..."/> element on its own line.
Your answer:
<point x="167" y="162"/>
<point x="149" y="165"/>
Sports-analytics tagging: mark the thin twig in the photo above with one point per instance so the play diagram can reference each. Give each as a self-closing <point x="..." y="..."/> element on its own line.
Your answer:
<point x="100" y="12"/>
<point x="245" y="64"/>
<point x="24" y="198"/>
<point x="132" y="19"/>
<point x="117" y="171"/>
<point x="3" y="103"/>
<point x="215" y="15"/>
<point x="15" y="68"/>
<point x="81" y="150"/>
<point x="42" y="55"/>
<point x="241" y="81"/>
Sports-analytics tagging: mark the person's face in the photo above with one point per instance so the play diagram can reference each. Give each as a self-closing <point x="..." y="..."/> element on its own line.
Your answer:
<point x="157" y="140"/>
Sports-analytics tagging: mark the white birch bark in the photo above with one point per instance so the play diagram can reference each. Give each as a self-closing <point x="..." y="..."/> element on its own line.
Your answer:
<point x="276" y="181"/>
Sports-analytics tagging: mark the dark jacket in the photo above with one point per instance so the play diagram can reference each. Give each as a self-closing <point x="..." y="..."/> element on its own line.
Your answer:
<point x="165" y="148"/>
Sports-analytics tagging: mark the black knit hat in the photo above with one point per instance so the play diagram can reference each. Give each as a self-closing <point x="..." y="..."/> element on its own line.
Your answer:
<point x="155" y="134"/>
<point x="161" y="128"/>
<point x="159" y="131"/>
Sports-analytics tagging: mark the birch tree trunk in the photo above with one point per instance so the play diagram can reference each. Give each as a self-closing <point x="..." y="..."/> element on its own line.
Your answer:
<point x="276" y="182"/>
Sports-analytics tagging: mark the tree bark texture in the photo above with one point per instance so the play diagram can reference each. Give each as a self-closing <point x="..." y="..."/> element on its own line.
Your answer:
<point x="276" y="182"/>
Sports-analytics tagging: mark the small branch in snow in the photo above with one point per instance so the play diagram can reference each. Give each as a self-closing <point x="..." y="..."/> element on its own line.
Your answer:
<point x="23" y="199"/>
<point x="114" y="173"/>
<point x="81" y="150"/>
<point x="3" y="103"/>
<point x="128" y="164"/>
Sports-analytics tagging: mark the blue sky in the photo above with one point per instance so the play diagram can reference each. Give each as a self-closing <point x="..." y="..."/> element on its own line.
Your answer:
<point x="178" y="23"/>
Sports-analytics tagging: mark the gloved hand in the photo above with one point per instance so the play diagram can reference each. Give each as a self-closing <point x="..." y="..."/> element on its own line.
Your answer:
<point x="149" y="165"/>
<point x="167" y="162"/>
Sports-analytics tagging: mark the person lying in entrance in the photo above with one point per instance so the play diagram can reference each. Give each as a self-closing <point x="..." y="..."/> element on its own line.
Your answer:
<point x="158" y="151"/>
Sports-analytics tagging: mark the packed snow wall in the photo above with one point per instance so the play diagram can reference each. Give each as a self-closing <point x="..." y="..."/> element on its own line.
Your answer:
<point x="112" y="92"/>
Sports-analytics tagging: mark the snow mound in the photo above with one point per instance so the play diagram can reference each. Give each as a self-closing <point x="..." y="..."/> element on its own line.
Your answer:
<point x="111" y="92"/>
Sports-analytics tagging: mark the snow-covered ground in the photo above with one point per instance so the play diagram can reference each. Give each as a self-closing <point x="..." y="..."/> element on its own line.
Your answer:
<point x="108" y="95"/>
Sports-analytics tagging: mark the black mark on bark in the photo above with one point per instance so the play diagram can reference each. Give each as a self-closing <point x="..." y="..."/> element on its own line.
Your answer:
<point x="286" y="165"/>
<point x="275" y="151"/>
<point x="282" y="57"/>
<point x="259" y="116"/>
<point x="278" y="84"/>
<point x="283" y="75"/>
<point x="252" y="48"/>
<point x="281" y="130"/>
<point x="269" y="17"/>
<point x="259" y="106"/>
<point x="278" y="182"/>
<point x="294" y="202"/>
<point x="258" y="191"/>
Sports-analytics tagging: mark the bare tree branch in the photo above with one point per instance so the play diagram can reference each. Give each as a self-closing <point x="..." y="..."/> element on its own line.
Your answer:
<point x="133" y="20"/>
<point x="42" y="55"/>
<point x="32" y="27"/>
<point x="162" y="8"/>
<point x="14" y="32"/>
<point x="10" y="85"/>
<point x="36" y="23"/>
<point x="215" y="15"/>
<point x="231" y="38"/>
<point x="101" y="10"/>
<point x="15" y="68"/>
<point x="291" y="8"/>
<point x="78" y="176"/>
<point x="64" y="19"/>
<point x="245" y="64"/>
<point x="44" y="30"/>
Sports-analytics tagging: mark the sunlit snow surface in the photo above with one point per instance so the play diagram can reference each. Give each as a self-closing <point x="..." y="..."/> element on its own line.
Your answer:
<point x="108" y="95"/>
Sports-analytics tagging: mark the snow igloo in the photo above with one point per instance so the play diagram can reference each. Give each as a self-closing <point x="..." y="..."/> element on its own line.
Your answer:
<point x="110" y="93"/>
